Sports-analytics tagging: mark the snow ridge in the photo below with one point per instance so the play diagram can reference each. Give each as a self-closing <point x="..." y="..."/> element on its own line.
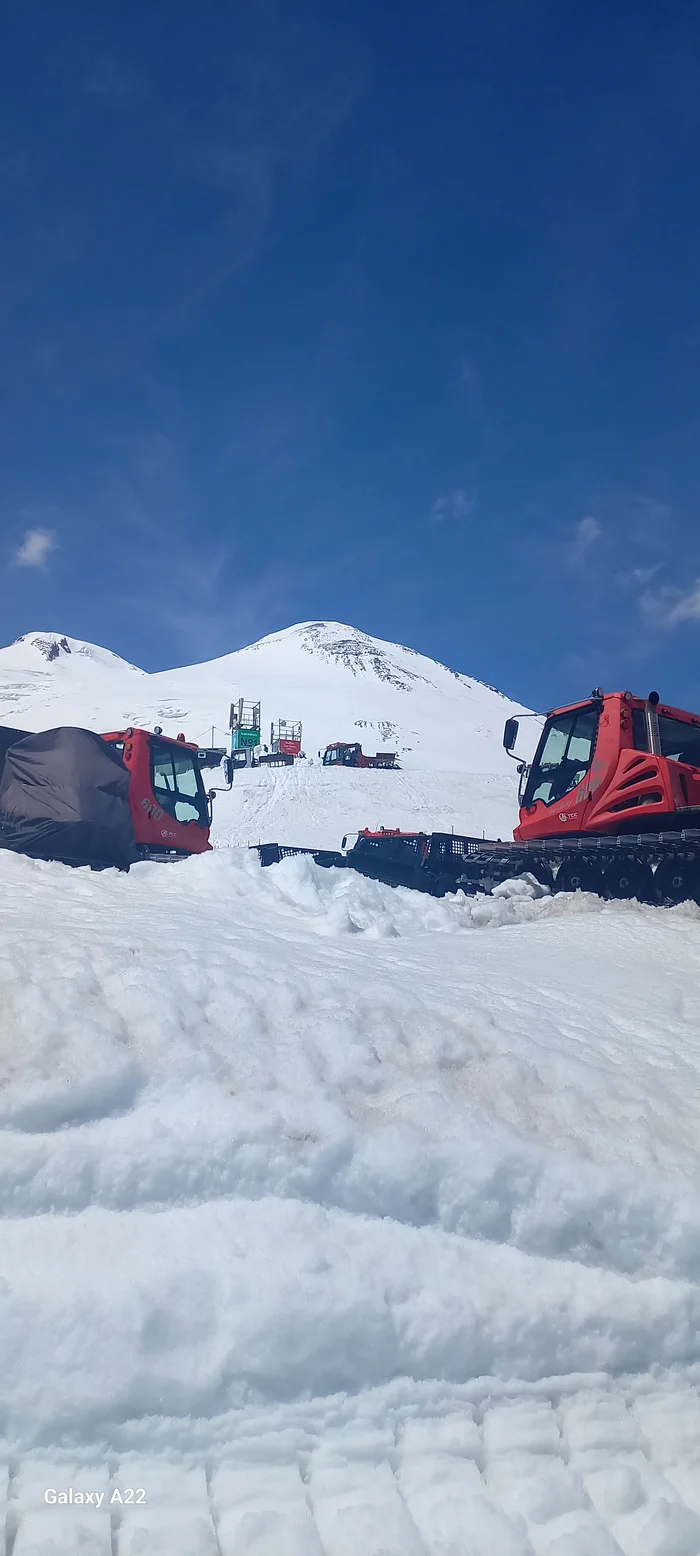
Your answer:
<point x="441" y="1157"/>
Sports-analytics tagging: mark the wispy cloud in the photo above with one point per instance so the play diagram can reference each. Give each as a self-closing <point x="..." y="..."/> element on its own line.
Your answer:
<point x="290" y="88"/>
<point x="587" y="533"/>
<point x="205" y="620"/>
<point x="669" y="606"/>
<point x="637" y="577"/>
<point x="293" y="88"/>
<point x="649" y="521"/>
<point x="114" y="83"/>
<point x="36" y="548"/>
<point x="457" y="504"/>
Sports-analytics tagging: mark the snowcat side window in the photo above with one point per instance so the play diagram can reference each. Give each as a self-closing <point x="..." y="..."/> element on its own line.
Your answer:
<point x="564" y="756"/>
<point x="162" y="775"/>
<point x="187" y="804"/>
<point x="680" y="742"/>
<point x="185" y="773"/>
<point x="639" y="730"/>
<point x="177" y="783"/>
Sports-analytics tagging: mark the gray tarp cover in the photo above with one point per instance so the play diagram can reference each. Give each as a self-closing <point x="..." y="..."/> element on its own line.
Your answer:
<point x="64" y="794"/>
<point x="9" y="737"/>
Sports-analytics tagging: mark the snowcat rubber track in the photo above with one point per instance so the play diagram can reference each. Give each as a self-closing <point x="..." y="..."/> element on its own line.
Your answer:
<point x="272" y="853"/>
<point x="615" y="867"/>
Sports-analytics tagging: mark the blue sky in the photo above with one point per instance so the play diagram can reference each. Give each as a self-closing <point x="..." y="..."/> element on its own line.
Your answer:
<point x="370" y="310"/>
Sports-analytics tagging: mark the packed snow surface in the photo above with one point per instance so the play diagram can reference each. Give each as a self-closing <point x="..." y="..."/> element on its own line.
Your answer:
<point x="343" y="1221"/>
<point x="317" y="806"/>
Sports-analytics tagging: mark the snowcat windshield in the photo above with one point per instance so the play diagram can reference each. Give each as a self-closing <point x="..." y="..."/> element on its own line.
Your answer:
<point x="563" y="757"/>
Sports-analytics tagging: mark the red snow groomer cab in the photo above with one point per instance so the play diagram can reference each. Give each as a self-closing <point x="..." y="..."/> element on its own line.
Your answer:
<point x="611" y="800"/>
<point x="170" y="808"/>
<point x="344" y="753"/>
<point x="612" y="764"/>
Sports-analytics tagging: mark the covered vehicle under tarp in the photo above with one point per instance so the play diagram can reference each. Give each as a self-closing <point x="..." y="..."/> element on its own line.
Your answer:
<point x="9" y="737"/>
<point x="64" y="794"/>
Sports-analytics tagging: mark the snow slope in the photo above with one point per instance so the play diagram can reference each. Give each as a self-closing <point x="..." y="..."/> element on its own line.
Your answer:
<point x="315" y="805"/>
<point x="344" y="1221"/>
<point x="341" y="683"/>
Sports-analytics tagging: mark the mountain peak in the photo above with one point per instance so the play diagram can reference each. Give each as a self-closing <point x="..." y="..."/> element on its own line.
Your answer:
<point x="49" y="644"/>
<point x="348" y="648"/>
<point x="56" y="646"/>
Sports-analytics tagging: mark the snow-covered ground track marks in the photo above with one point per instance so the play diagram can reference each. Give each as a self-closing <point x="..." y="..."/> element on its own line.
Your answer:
<point x="377" y="1213"/>
<point x="310" y="805"/>
<point x="572" y="1467"/>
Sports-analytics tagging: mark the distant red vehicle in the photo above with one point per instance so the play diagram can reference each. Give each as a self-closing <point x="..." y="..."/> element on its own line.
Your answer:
<point x="350" y="754"/>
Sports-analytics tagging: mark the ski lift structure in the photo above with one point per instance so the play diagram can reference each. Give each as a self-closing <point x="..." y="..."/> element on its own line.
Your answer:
<point x="245" y="727"/>
<point x="285" y="737"/>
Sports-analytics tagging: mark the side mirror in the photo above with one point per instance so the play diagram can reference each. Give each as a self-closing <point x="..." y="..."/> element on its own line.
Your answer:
<point x="510" y="734"/>
<point x="228" y="770"/>
<point x="344" y="843"/>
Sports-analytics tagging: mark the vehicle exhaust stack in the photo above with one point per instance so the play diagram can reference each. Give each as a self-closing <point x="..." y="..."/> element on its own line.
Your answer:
<point x="652" y="723"/>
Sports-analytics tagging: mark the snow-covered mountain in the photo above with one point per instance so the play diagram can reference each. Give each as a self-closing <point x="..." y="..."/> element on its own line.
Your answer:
<point x="342" y="684"/>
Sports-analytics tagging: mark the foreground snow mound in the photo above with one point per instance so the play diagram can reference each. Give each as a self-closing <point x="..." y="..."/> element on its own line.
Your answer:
<point x="285" y="1150"/>
<point x="339" y="901"/>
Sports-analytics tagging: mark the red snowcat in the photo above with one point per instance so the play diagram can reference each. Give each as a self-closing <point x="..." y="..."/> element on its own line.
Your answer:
<point x="102" y="800"/>
<point x="611" y="799"/>
<point x="350" y="754"/>
<point x="170" y="808"/>
<point x="609" y="804"/>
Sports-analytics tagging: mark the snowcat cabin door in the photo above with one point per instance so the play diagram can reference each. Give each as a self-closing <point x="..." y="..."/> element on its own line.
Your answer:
<point x="176" y="781"/>
<point x="562" y="761"/>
